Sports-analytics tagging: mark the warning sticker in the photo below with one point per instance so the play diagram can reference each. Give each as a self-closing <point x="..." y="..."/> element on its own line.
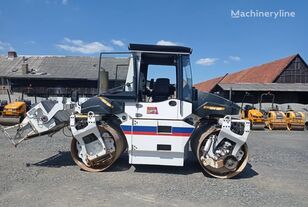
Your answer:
<point x="152" y="110"/>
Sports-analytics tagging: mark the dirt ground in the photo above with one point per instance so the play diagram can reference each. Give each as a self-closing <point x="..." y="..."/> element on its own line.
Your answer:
<point x="41" y="172"/>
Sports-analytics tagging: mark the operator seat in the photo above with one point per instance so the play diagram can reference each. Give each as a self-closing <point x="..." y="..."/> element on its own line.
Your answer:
<point x="161" y="90"/>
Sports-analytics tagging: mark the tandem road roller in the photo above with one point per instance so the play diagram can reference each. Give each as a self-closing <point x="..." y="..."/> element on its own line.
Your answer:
<point x="275" y="118"/>
<point x="13" y="112"/>
<point x="295" y="119"/>
<point x="255" y="116"/>
<point x="156" y="120"/>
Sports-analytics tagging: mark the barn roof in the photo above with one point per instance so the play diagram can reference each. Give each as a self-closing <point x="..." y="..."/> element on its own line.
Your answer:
<point x="62" y="67"/>
<point x="210" y="84"/>
<point x="299" y="87"/>
<point x="265" y="73"/>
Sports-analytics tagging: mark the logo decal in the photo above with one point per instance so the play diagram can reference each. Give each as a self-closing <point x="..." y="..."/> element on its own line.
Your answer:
<point x="152" y="110"/>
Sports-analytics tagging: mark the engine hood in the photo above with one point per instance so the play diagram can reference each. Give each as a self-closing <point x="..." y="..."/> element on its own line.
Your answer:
<point x="101" y="105"/>
<point x="256" y="112"/>
<point x="212" y="105"/>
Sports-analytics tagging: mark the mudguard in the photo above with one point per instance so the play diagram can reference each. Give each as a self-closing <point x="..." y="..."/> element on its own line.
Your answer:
<point x="211" y="105"/>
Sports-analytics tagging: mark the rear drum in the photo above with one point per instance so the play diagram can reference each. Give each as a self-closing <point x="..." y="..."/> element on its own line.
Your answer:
<point x="222" y="172"/>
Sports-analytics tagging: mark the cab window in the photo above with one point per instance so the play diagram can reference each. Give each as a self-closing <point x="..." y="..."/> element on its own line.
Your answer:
<point x="158" y="77"/>
<point x="160" y="83"/>
<point x="187" y="79"/>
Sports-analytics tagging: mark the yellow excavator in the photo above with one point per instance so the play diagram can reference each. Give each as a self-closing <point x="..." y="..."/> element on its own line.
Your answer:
<point x="295" y="119"/>
<point x="255" y="116"/>
<point x="13" y="112"/>
<point x="275" y="118"/>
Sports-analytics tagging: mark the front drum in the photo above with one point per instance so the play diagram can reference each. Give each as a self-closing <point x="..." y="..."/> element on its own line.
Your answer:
<point x="105" y="162"/>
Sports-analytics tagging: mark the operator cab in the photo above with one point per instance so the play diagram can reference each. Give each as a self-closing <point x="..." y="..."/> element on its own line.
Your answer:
<point x="154" y="74"/>
<point x="164" y="72"/>
<point x="163" y="80"/>
<point x="163" y="100"/>
<point x="157" y="77"/>
<point x="148" y="73"/>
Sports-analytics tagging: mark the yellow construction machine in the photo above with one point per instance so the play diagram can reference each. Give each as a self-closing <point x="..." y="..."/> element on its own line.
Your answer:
<point x="295" y="119"/>
<point x="275" y="118"/>
<point x="13" y="112"/>
<point x="255" y="116"/>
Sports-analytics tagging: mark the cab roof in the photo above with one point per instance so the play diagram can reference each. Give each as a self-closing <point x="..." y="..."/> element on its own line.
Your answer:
<point x="159" y="48"/>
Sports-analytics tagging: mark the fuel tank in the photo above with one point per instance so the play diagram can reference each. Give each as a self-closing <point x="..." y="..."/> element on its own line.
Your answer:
<point x="211" y="105"/>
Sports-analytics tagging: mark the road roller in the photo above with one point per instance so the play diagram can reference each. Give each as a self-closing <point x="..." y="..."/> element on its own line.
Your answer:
<point x="157" y="120"/>
<point x="275" y="118"/>
<point x="251" y="113"/>
<point x="295" y="119"/>
<point x="13" y="113"/>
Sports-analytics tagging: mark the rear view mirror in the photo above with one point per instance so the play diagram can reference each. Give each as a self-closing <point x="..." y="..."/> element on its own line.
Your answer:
<point x="194" y="94"/>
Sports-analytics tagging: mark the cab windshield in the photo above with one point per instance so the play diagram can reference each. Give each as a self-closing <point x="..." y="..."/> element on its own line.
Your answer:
<point x="113" y="73"/>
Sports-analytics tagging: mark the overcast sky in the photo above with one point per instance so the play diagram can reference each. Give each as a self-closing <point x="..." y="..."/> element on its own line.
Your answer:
<point x="220" y="43"/>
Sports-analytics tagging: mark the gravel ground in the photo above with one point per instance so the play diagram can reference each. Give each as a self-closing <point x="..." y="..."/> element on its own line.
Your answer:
<point x="40" y="172"/>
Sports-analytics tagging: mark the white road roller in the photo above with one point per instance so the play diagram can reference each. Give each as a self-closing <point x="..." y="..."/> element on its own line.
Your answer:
<point x="156" y="115"/>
